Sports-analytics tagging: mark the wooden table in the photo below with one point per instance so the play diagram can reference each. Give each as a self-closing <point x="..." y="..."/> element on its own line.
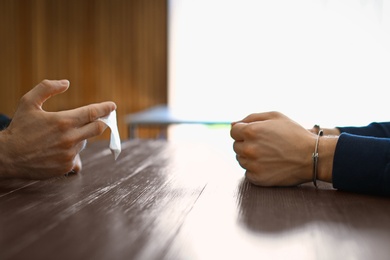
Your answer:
<point x="183" y="201"/>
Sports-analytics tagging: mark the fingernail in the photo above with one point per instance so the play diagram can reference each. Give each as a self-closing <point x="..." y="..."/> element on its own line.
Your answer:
<point x="64" y="82"/>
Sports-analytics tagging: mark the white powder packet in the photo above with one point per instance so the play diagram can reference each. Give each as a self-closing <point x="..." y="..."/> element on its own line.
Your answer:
<point x="115" y="141"/>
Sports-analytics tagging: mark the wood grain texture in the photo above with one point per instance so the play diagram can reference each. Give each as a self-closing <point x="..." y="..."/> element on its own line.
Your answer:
<point x="183" y="201"/>
<point x="109" y="50"/>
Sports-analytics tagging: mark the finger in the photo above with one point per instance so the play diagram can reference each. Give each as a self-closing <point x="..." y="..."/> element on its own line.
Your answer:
<point x="235" y="122"/>
<point x="238" y="147"/>
<point x="44" y="90"/>
<point x="237" y="131"/>
<point x="77" y="164"/>
<point x="90" y="130"/>
<point x="87" y="114"/>
<point x="242" y="161"/>
<point x="81" y="146"/>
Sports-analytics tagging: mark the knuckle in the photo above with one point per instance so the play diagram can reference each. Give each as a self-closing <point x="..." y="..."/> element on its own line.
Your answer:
<point x="276" y="114"/>
<point x="45" y="82"/>
<point x="99" y="128"/>
<point x="249" y="131"/>
<point x="66" y="143"/>
<point x="236" y="146"/>
<point x="64" y="124"/>
<point x="253" y="115"/>
<point x="248" y="151"/>
<point x="24" y="99"/>
<point x="92" y="114"/>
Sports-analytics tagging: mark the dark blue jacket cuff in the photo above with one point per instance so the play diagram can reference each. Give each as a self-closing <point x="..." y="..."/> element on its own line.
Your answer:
<point x="362" y="164"/>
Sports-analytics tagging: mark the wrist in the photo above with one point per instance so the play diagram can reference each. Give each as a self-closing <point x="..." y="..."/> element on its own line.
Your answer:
<point x="331" y="131"/>
<point x="326" y="150"/>
<point x="5" y="159"/>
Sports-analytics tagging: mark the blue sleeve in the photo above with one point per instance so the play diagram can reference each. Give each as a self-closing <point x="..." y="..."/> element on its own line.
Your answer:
<point x="374" y="129"/>
<point x="4" y="121"/>
<point x="362" y="164"/>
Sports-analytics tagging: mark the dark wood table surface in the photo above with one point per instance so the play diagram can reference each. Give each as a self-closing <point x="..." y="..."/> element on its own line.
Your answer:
<point x="163" y="200"/>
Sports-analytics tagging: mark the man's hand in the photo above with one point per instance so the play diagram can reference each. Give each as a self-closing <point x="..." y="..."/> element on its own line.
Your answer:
<point x="40" y="144"/>
<point x="273" y="149"/>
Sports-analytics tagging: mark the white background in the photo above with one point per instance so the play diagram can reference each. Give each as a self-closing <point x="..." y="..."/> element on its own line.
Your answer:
<point x="317" y="61"/>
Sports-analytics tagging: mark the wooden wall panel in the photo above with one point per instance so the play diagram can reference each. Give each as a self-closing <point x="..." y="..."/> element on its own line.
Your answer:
<point x="108" y="49"/>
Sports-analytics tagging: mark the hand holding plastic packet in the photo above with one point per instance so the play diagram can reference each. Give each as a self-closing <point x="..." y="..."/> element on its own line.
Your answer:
<point x="115" y="141"/>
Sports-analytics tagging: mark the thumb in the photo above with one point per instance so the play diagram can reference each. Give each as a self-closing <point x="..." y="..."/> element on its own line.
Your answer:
<point x="262" y="117"/>
<point x="45" y="90"/>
